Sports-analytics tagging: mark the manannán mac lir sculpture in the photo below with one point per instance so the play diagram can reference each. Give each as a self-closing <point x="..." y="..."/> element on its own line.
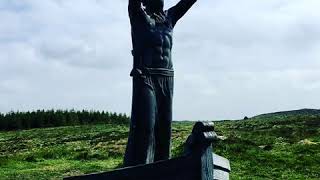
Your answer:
<point x="151" y="30"/>
<point x="148" y="149"/>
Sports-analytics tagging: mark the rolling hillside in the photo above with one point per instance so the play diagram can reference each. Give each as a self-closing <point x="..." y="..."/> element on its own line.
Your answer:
<point x="283" y="114"/>
<point x="283" y="145"/>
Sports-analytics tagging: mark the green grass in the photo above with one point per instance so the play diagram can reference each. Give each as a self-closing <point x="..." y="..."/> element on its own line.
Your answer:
<point x="259" y="148"/>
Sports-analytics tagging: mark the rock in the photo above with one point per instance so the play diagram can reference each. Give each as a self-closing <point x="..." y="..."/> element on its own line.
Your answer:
<point x="266" y="147"/>
<point x="222" y="138"/>
<point x="307" y="142"/>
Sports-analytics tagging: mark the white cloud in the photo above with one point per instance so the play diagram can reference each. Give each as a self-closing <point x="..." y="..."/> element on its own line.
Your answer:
<point x="232" y="58"/>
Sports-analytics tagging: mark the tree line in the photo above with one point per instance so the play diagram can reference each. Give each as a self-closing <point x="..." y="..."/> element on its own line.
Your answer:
<point x="54" y="118"/>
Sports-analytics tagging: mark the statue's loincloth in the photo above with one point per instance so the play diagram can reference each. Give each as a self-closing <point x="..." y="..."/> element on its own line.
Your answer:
<point x="136" y="72"/>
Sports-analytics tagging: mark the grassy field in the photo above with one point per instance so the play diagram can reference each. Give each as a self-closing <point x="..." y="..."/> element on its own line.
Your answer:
<point x="264" y="147"/>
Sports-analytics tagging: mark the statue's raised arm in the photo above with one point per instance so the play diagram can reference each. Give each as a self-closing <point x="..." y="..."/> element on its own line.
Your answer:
<point x="135" y="10"/>
<point x="180" y="9"/>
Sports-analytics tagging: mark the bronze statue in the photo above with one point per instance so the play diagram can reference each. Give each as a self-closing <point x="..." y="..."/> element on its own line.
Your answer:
<point x="151" y="29"/>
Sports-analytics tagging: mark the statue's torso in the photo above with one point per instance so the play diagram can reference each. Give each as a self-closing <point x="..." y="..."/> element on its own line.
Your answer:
<point x="152" y="43"/>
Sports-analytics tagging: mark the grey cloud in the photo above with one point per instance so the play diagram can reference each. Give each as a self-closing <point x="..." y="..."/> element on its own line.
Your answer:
<point x="232" y="58"/>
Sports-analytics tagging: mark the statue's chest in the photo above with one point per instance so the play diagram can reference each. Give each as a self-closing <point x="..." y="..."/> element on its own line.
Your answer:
<point x="160" y="35"/>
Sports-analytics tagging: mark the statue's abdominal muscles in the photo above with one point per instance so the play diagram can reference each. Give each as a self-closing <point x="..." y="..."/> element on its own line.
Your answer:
<point x="158" y="54"/>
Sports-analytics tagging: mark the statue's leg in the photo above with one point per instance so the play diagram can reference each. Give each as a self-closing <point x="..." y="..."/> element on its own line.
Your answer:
<point x="164" y="119"/>
<point x="141" y="145"/>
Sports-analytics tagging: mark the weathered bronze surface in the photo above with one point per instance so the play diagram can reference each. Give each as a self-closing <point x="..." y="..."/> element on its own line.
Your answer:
<point x="151" y="29"/>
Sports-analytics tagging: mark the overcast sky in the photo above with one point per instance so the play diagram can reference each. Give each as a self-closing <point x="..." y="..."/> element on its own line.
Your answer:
<point x="232" y="58"/>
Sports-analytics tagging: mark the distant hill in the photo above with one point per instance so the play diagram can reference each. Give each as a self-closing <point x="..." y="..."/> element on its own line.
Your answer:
<point x="283" y="114"/>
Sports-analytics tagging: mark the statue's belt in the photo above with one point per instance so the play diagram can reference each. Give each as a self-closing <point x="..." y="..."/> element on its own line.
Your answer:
<point x="136" y="72"/>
